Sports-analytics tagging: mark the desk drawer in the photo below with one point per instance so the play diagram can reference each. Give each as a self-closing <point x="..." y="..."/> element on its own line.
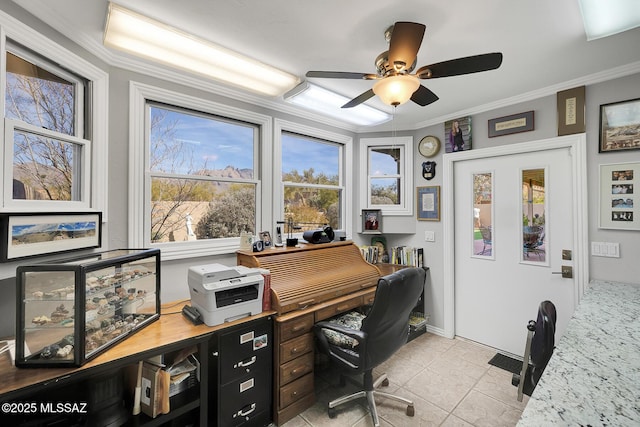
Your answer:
<point x="296" y="390"/>
<point x="338" y="308"/>
<point x="296" y="368"/>
<point x="295" y="327"/>
<point x="296" y="347"/>
<point x="368" y="298"/>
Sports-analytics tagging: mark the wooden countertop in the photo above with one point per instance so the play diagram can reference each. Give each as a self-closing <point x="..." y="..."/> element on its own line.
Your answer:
<point x="170" y="330"/>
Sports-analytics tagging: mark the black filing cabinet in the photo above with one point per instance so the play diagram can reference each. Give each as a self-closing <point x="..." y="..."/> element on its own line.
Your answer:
<point x="240" y="378"/>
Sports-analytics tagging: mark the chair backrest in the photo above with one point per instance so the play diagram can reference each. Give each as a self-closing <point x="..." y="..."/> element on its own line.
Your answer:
<point x="543" y="341"/>
<point x="387" y="324"/>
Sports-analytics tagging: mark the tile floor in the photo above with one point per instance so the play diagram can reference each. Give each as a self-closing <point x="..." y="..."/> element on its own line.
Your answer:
<point x="450" y="382"/>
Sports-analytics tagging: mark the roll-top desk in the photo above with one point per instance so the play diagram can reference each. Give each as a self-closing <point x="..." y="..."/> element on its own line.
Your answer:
<point x="308" y="284"/>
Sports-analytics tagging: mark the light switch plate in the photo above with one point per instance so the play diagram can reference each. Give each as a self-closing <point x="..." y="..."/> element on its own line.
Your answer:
<point x="429" y="236"/>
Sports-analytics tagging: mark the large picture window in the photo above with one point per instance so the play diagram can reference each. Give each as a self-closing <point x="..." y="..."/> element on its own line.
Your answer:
<point x="196" y="170"/>
<point x="202" y="171"/>
<point x="312" y="181"/>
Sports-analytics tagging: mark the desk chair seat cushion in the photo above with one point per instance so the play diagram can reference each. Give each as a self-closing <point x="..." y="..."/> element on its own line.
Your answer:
<point x="351" y="320"/>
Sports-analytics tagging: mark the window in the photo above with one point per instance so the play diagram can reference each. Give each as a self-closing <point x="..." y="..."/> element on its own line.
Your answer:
<point x="196" y="172"/>
<point x="534" y="212"/>
<point x="202" y="171"/>
<point x="389" y="176"/>
<point x="483" y="215"/>
<point x="44" y="130"/>
<point x="312" y="169"/>
<point x="50" y="140"/>
<point x="311" y="181"/>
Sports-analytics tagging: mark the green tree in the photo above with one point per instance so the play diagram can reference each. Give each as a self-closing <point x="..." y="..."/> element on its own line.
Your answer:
<point x="229" y="214"/>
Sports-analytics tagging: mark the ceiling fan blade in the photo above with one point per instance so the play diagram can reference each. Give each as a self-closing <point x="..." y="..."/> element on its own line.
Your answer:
<point x="359" y="99"/>
<point x="424" y="96"/>
<point x="341" y="75"/>
<point x="457" y="67"/>
<point x="406" y="39"/>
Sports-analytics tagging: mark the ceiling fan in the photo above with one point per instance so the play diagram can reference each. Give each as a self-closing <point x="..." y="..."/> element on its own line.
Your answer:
<point x="395" y="84"/>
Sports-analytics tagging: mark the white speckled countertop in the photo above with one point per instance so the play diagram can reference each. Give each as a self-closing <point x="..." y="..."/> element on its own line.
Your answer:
<point x="593" y="377"/>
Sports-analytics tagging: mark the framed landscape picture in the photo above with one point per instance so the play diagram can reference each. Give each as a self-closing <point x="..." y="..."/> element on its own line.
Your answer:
<point x="25" y="235"/>
<point x="620" y="126"/>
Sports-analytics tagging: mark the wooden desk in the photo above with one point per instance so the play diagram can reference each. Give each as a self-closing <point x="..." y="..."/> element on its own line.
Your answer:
<point x="593" y="377"/>
<point x="171" y="332"/>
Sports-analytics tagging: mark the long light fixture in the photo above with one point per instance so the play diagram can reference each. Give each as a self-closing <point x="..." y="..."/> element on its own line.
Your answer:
<point x="396" y="90"/>
<point x="142" y="36"/>
<point x="316" y="98"/>
<point x="606" y="18"/>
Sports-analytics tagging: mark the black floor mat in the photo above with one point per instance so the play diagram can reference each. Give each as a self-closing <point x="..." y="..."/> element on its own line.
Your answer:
<point x="507" y="363"/>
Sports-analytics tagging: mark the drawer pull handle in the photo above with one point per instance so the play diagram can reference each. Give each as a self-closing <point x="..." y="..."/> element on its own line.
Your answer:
<point x="297" y="350"/>
<point x="298" y="328"/>
<point x="342" y="307"/>
<point x="304" y="304"/>
<point x="243" y="413"/>
<point x="242" y="363"/>
<point x="299" y="369"/>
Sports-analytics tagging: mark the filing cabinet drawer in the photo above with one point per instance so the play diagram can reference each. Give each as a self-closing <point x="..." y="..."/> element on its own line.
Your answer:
<point x="296" y="368"/>
<point x="338" y="308"/>
<point x="296" y="347"/>
<point x="245" y="351"/>
<point x="295" y="327"/>
<point x="296" y="390"/>
<point x="243" y="400"/>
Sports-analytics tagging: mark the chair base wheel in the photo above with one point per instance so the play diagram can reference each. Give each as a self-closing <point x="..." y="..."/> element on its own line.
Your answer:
<point x="332" y="412"/>
<point x="411" y="411"/>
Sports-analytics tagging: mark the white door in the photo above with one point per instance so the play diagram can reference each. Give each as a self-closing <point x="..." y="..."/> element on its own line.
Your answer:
<point x="513" y="218"/>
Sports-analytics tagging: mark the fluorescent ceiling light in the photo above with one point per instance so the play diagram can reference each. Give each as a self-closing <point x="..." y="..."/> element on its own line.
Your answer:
<point x="604" y="18"/>
<point x="322" y="100"/>
<point x="141" y="36"/>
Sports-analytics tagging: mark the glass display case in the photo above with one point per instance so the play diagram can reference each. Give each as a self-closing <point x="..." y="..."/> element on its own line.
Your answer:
<point x="71" y="310"/>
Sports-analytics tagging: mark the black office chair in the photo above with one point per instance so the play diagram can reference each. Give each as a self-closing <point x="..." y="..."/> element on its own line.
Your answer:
<point x="383" y="331"/>
<point x="539" y="348"/>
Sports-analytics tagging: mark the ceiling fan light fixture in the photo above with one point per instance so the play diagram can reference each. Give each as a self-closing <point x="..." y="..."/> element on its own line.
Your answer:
<point x="144" y="37"/>
<point x="396" y="90"/>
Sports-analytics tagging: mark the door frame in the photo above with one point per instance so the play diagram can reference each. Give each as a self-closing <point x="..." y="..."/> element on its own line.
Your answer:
<point x="577" y="145"/>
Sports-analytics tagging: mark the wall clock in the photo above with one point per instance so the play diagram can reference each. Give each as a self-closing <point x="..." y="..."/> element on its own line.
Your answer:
<point x="429" y="146"/>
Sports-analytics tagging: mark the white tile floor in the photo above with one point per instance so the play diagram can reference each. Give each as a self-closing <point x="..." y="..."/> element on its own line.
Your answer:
<point x="450" y="382"/>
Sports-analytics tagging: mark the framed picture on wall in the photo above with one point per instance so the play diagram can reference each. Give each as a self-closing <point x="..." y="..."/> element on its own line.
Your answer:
<point x="619" y="204"/>
<point x="27" y="235"/>
<point x="428" y="203"/>
<point x="372" y="221"/>
<point x="571" y="106"/>
<point x="620" y="126"/>
<point x="457" y="134"/>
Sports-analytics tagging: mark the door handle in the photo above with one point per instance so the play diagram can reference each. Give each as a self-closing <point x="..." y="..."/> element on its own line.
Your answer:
<point x="566" y="271"/>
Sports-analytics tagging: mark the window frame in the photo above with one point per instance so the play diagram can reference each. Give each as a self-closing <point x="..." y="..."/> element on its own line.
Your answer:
<point x="94" y="129"/>
<point x="139" y="174"/>
<point x="345" y="183"/>
<point x="405" y="143"/>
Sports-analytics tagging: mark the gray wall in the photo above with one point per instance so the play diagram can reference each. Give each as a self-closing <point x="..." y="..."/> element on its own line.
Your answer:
<point x="626" y="268"/>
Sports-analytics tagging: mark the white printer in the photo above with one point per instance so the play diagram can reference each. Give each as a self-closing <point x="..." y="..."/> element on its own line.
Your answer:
<point x="223" y="294"/>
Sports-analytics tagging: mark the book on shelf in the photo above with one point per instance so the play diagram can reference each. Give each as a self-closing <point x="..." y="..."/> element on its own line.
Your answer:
<point x="371" y="254"/>
<point x="407" y="255"/>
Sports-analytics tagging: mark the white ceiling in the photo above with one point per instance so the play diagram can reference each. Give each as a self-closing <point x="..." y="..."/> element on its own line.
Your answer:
<point x="543" y="42"/>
